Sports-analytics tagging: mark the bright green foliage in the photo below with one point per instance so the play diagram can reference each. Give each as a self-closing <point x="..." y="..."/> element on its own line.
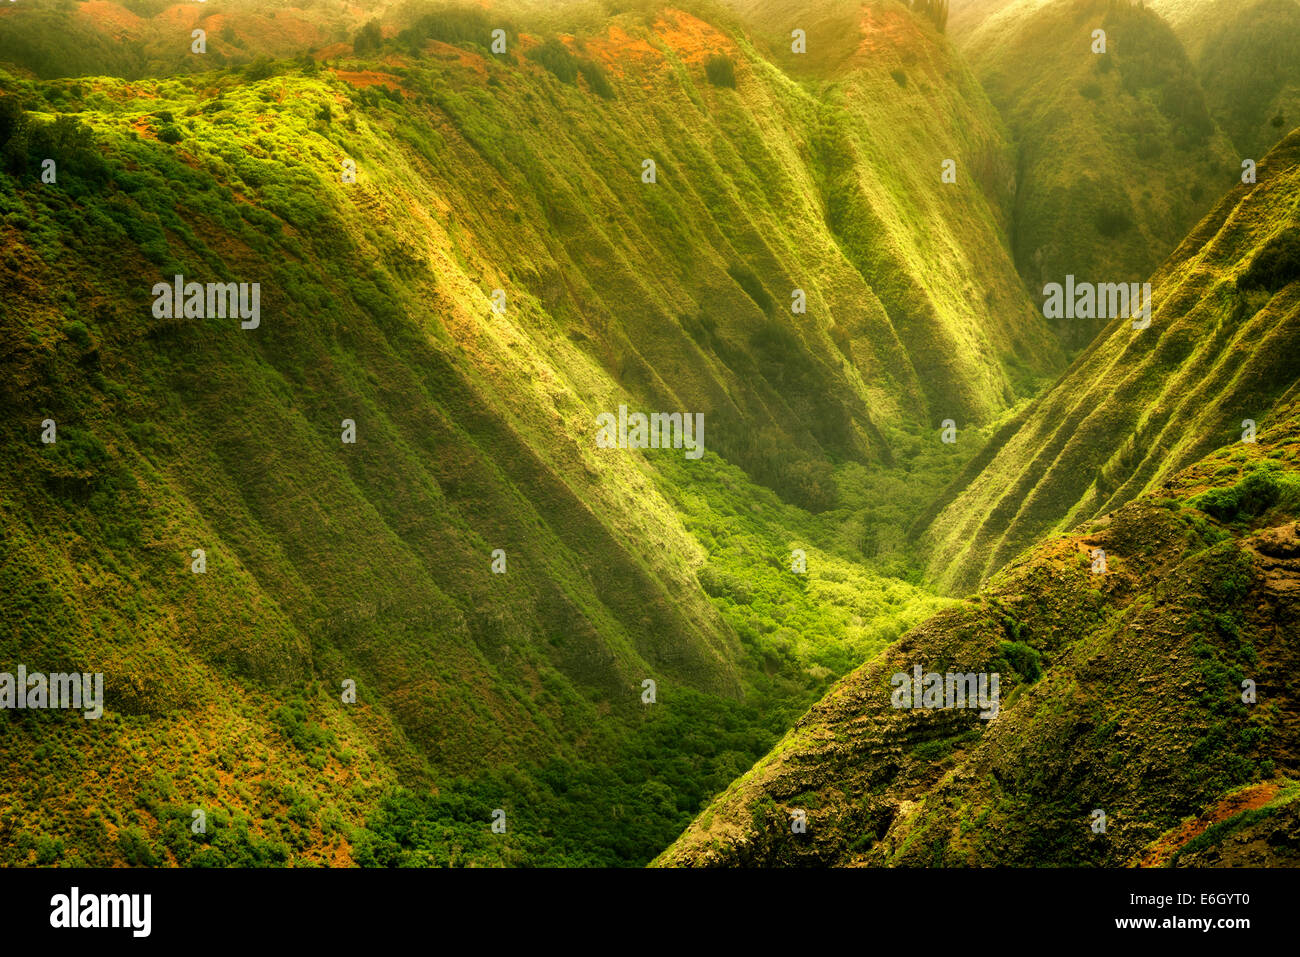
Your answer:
<point x="1260" y="490"/>
<point x="329" y="562"/>
<point x="1141" y="404"/>
<point x="1123" y="691"/>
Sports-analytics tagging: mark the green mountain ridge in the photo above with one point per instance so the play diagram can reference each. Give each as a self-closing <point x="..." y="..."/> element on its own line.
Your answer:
<point x="1247" y="56"/>
<point x="367" y="587"/>
<point x="1139" y="405"/>
<point x="475" y="430"/>
<point x="1118" y="154"/>
<point x="1145" y="713"/>
<point x="150" y="38"/>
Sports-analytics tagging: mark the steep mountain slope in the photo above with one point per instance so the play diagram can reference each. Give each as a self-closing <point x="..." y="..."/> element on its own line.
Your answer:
<point x="1118" y="153"/>
<point x="1146" y="711"/>
<point x="376" y="561"/>
<point x="1202" y="24"/>
<point x="1139" y="405"/>
<point x="965" y="16"/>
<point x="1247" y="57"/>
<point x="54" y="38"/>
<point x="1250" y="70"/>
<point x="840" y="40"/>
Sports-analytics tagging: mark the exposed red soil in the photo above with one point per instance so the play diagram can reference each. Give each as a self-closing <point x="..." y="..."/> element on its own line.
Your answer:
<point x="693" y="40"/>
<point x="128" y="91"/>
<point x="619" y="48"/>
<point x="446" y="53"/>
<point x="1247" y="799"/>
<point x="364" y="78"/>
<point x="333" y="51"/>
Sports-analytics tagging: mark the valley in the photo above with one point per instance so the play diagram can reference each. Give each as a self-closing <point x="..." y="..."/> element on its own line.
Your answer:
<point x="532" y="434"/>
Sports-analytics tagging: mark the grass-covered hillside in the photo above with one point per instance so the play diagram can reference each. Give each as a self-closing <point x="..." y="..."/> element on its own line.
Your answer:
<point x="1246" y="56"/>
<point x="498" y="587"/>
<point x="1147" y="710"/>
<point x="1118" y="152"/>
<point x="143" y="38"/>
<point x="1139" y="405"/>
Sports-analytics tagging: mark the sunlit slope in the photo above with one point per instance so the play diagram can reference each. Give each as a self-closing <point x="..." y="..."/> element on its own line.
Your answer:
<point x="1141" y="404"/>
<point x="1121" y="734"/>
<point x="475" y="428"/>
<point x="1118" y="152"/>
<point x="849" y="203"/>
<point x="878" y="67"/>
<point x="964" y="16"/>
<point x="474" y="432"/>
<point x="850" y="181"/>
<point x="155" y="37"/>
